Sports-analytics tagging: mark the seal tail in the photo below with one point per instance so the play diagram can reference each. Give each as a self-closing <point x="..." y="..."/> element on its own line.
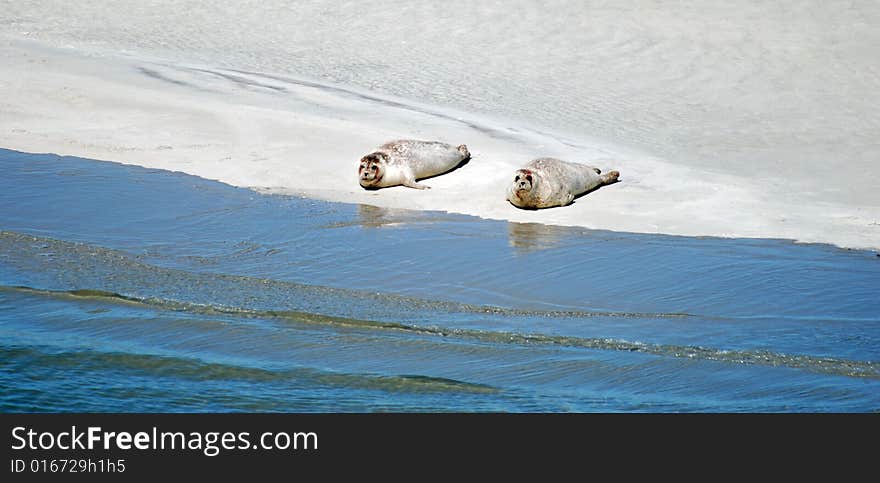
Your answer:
<point x="464" y="152"/>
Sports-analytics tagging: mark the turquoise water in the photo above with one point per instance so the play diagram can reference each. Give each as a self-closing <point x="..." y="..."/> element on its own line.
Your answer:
<point x="130" y="289"/>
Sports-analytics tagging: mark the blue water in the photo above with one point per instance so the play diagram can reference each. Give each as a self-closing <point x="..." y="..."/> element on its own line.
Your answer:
<point x="131" y="289"/>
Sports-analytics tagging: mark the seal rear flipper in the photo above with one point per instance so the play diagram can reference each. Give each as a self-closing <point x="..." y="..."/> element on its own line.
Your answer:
<point x="464" y="152"/>
<point x="611" y="177"/>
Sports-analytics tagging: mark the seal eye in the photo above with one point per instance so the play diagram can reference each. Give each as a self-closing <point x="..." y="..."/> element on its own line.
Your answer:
<point x="516" y="178"/>
<point x="374" y="168"/>
<point x="529" y="178"/>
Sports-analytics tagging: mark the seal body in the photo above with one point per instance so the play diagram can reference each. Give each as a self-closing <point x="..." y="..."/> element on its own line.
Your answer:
<point x="404" y="161"/>
<point x="548" y="182"/>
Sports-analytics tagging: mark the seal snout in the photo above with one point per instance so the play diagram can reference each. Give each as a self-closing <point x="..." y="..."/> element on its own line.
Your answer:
<point x="523" y="180"/>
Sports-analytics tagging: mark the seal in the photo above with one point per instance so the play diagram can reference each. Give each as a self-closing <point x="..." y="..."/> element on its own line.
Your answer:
<point x="548" y="182"/>
<point x="404" y="161"/>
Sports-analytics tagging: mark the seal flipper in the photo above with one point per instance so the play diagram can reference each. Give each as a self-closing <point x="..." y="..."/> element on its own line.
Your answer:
<point x="411" y="183"/>
<point x="611" y="177"/>
<point x="464" y="152"/>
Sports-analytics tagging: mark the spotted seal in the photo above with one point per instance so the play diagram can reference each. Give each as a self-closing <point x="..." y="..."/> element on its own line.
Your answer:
<point x="404" y="161"/>
<point x="548" y="182"/>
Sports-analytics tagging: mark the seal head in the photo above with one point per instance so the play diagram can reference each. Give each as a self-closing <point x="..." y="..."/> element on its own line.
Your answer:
<point x="372" y="170"/>
<point x="522" y="190"/>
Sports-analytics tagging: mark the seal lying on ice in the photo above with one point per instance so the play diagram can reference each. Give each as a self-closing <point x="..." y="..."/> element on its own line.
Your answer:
<point x="404" y="161"/>
<point x="548" y="182"/>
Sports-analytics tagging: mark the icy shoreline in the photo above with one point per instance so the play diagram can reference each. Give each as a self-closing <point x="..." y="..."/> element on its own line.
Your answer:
<point x="283" y="134"/>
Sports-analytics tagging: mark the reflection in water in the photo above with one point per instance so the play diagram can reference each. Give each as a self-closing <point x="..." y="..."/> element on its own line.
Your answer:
<point x="371" y="216"/>
<point x="531" y="237"/>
